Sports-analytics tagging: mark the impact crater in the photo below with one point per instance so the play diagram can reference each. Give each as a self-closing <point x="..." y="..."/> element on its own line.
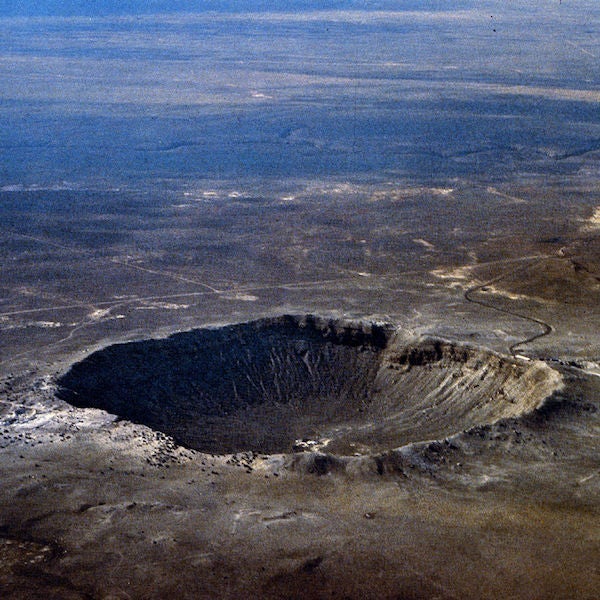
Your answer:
<point x="295" y="383"/>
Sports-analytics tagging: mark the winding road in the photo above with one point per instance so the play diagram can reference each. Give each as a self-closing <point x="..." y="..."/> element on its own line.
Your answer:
<point x="546" y="327"/>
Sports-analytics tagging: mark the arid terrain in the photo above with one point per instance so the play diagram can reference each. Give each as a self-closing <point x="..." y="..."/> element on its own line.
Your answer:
<point x="288" y="458"/>
<point x="301" y="304"/>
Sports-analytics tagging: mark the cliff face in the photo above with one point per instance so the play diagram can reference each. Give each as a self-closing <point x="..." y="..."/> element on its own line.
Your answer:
<point x="343" y="386"/>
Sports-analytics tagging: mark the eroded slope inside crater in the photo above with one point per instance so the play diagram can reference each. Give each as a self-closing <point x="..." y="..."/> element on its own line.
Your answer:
<point x="342" y="386"/>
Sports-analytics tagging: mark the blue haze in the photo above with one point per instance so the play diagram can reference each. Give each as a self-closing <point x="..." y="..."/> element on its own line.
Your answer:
<point x="423" y="90"/>
<point x="135" y="7"/>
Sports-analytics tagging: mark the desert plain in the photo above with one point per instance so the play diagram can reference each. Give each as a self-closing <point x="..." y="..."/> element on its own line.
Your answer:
<point x="301" y="304"/>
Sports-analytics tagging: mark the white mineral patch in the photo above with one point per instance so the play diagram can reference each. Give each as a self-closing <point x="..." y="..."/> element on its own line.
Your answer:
<point x="510" y="295"/>
<point x="162" y="306"/>
<point x="240" y="296"/>
<point x="458" y="273"/>
<point x="45" y="324"/>
<point x="424" y="243"/>
<point x="395" y="194"/>
<point x="99" y="313"/>
<point x="6" y="325"/>
<point x="459" y="277"/>
<point x="593" y="222"/>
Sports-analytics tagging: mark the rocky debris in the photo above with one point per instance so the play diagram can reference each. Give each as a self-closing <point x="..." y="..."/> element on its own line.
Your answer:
<point x="244" y="460"/>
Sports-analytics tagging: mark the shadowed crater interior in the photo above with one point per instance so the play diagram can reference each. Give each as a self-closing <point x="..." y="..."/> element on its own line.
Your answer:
<point x="304" y="383"/>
